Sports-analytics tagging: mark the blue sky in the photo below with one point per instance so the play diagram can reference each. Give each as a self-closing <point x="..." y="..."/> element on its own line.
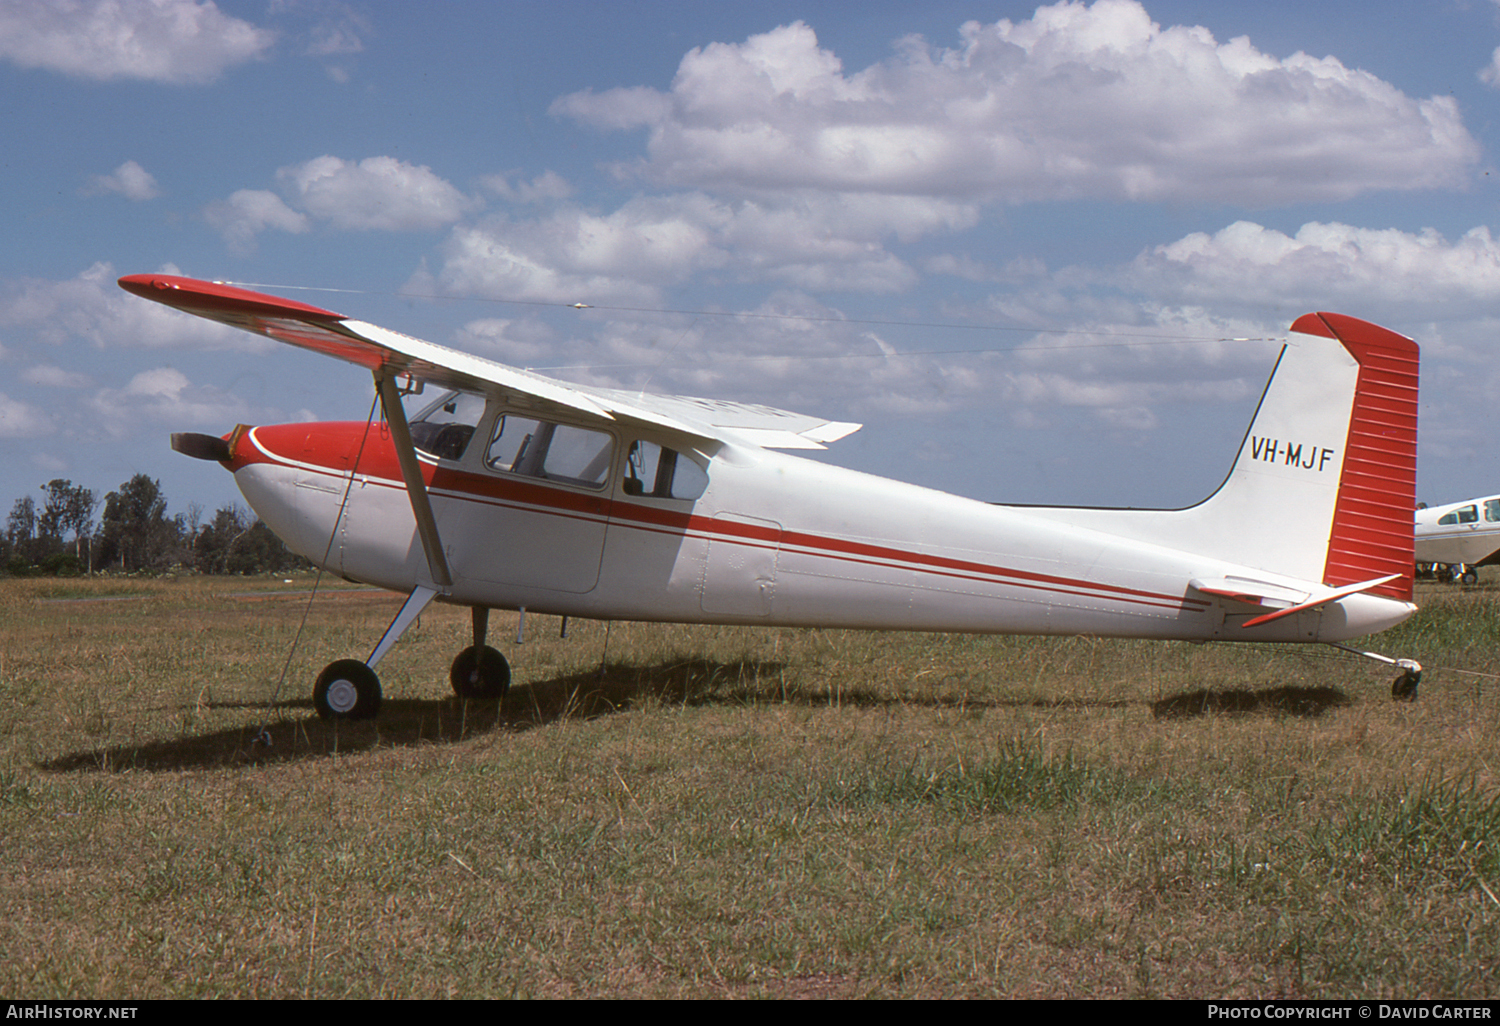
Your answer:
<point x="1008" y="239"/>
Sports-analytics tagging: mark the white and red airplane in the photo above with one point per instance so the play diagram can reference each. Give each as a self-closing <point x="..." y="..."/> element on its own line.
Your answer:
<point x="1455" y="539"/>
<point x="517" y="491"/>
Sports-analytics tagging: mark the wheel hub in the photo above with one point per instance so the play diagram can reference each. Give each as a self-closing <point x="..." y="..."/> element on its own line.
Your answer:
<point x="342" y="696"/>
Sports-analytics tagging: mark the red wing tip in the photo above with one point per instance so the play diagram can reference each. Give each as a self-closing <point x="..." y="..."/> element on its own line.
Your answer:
<point x="197" y="295"/>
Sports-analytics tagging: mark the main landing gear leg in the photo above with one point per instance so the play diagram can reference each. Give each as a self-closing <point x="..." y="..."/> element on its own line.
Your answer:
<point x="1404" y="688"/>
<point x="480" y="673"/>
<point x="349" y="689"/>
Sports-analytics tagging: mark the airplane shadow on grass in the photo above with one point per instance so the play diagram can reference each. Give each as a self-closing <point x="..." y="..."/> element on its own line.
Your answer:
<point x="417" y="721"/>
<point x="1307" y="702"/>
<point x="589" y="695"/>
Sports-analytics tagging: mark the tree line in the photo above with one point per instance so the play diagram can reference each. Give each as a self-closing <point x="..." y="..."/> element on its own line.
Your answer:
<point x="133" y="534"/>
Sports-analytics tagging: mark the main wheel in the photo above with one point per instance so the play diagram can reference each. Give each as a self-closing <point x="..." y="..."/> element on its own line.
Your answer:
<point x="480" y="673"/>
<point x="347" y="690"/>
<point x="1469" y="576"/>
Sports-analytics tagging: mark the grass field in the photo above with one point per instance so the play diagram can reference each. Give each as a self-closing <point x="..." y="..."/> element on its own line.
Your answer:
<point x="734" y="812"/>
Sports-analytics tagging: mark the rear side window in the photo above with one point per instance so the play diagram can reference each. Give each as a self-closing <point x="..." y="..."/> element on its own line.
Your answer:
<point x="656" y="472"/>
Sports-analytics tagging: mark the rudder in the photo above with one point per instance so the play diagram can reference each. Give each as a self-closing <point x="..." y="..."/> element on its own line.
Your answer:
<point x="1372" y="534"/>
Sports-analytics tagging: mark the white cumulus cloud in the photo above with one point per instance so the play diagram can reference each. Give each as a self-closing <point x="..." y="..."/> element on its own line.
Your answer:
<point x="1077" y="101"/>
<point x="91" y="308"/>
<point x="374" y="194"/>
<point x="50" y="376"/>
<point x="380" y="193"/>
<point x="1382" y="271"/>
<point x="549" y="185"/>
<point x="806" y="241"/>
<point x="339" y="29"/>
<point x="129" y="180"/>
<point x="21" y="420"/>
<point x="164" y="395"/>
<point x="1490" y="73"/>
<point x="246" y="213"/>
<point x="172" y="41"/>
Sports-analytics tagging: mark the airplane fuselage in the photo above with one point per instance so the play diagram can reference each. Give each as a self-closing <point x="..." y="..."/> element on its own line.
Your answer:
<point x="1464" y="533"/>
<point x="772" y="539"/>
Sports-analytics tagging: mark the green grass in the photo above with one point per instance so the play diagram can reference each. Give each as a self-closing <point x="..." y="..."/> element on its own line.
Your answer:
<point x="1018" y="777"/>
<point x="733" y="812"/>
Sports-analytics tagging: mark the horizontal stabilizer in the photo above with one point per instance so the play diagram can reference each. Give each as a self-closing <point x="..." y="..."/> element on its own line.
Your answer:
<point x="1280" y="599"/>
<point x="1323" y="599"/>
<point x="1251" y="592"/>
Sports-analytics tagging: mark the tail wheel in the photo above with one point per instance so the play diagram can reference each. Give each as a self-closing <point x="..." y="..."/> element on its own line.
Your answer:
<point x="347" y="690"/>
<point x="480" y="673"/>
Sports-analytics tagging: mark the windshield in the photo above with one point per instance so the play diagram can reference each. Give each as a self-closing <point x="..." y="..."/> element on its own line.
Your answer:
<point x="443" y="428"/>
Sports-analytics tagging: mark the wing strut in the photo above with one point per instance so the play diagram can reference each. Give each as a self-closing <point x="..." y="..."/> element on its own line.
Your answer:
<point x="411" y="473"/>
<point x="411" y="609"/>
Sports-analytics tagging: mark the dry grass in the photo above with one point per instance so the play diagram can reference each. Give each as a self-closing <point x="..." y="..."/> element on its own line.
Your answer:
<point x="727" y="812"/>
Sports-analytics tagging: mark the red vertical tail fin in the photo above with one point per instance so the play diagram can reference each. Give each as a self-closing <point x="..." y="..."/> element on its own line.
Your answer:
<point x="1373" y="516"/>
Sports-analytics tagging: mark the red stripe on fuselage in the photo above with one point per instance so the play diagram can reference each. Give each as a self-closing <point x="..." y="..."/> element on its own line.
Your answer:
<point x="845" y="550"/>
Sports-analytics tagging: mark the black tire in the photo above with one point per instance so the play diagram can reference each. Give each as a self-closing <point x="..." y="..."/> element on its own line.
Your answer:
<point x="480" y="674"/>
<point x="347" y="690"/>
<point x="1405" y="687"/>
<point x="1469" y="576"/>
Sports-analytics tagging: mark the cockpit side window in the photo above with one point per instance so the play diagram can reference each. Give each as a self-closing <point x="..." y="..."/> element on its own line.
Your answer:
<point x="445" y="427"/>
<point x="553" y="452"/>
<point x="1466" y="515"/>
<point x="656" y="472"/>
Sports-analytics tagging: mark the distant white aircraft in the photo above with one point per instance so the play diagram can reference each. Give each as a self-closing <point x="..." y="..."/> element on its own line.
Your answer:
<point x="516" y="491"/>
<point x="1453" y="540"/>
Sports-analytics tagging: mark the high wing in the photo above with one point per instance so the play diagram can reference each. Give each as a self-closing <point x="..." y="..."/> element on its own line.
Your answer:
<point x="706" y="422"/>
